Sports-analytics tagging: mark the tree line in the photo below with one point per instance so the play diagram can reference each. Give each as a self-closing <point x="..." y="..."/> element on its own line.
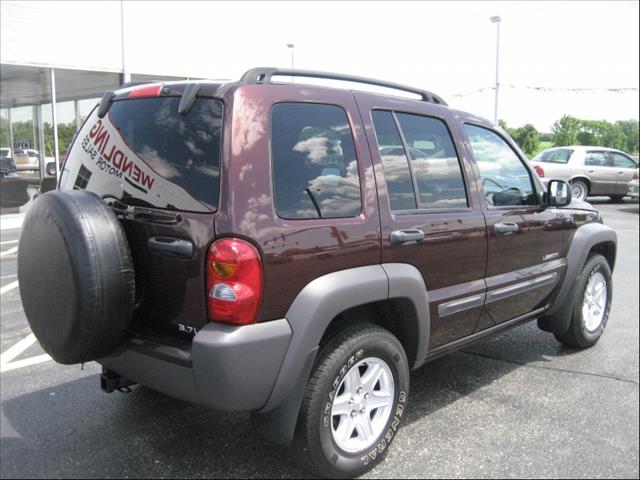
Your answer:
<point x="622" y="135"/>
<point x="568" y="130"/>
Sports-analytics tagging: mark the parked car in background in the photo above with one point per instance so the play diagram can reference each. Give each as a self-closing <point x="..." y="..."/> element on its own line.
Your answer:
<point x="589" y="170"/>
<point x="7" y="164"/>
<point x="632" y="186"/>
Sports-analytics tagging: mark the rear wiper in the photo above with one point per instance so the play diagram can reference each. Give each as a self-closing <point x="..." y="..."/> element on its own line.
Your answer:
<point x="123" y="210"/>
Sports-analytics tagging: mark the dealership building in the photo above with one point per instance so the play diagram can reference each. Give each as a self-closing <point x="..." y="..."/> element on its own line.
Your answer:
<point x="48" y="85"/>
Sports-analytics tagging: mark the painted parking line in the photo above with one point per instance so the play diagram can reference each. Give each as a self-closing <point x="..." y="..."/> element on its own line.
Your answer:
<point x="8" y="287"/>
<point x="6" y="359"/>
<point x="7" y="242"/>
<point x="9" y="252"/>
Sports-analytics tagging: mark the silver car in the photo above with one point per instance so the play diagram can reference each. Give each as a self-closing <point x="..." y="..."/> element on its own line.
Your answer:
<point x="589" y="170"/>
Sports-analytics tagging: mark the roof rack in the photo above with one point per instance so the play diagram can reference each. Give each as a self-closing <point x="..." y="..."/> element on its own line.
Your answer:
<point x="264" y="75"/>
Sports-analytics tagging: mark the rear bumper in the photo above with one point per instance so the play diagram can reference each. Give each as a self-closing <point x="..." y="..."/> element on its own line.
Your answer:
<point x="228" y="368"/>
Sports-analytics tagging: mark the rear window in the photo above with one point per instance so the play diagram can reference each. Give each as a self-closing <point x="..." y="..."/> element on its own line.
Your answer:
<point x="144" y="153"/>
<point x="556" y="156"/>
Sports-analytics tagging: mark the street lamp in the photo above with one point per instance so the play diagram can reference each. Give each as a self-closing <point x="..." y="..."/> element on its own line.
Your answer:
<point x="291" y="46"/>
<point x="496" y="19"/>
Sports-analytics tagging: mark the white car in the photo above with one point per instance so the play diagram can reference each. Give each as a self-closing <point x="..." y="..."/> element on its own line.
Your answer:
<point x="589" y="170"/>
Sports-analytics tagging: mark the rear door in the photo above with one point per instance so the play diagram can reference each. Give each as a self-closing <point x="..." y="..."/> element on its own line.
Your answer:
<point x="159" y="170"/>
<point x="425" y="189"/>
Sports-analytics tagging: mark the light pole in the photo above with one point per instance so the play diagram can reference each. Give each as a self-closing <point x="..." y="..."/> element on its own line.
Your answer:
<point x="496" y="20"/>
<point x="291" y="46"/>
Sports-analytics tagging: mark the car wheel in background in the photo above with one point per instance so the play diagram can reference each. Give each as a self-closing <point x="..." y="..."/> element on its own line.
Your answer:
<point x="579" y="189"/>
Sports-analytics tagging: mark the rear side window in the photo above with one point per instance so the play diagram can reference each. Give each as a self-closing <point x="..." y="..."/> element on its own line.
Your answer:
<point x="144" y="153"/>
<point x="556" y="156"/>
<point x="434" y="162"/>
<point x="421" y="168"/>
<point x="596" y="159"/>
<point x="394" y="162"/>
<point x="315" y="171"/>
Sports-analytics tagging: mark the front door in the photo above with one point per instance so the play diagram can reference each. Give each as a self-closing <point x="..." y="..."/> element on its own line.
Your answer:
<point x="525" y="256"/>
<point x="624" y="167"/>
<point x="429" y="217"/>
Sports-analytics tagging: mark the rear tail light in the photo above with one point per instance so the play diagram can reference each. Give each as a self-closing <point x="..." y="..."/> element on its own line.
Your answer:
<point x="635" y="176"/>
<point x="234" y="282"/>
<point x="539" y="170"/>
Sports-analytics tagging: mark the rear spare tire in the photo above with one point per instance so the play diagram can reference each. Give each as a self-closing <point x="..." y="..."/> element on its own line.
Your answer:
<point x="76" y="276"/>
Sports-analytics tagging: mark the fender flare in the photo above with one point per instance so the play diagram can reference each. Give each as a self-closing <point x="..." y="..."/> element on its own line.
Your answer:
<point x="558" y="317"/>
<point x="309" y="316"/>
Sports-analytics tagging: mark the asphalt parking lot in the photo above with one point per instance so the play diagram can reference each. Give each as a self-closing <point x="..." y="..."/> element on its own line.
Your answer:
<point x="518" y="405"/>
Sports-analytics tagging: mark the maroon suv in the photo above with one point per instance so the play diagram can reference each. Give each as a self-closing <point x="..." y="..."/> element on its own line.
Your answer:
<point x="295" y="250"/>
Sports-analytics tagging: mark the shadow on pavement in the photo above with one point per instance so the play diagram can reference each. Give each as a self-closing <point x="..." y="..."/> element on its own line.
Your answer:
<point x="75" y="430"/>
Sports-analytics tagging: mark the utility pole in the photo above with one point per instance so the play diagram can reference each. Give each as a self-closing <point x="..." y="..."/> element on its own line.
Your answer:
<point x="497" y="20"/>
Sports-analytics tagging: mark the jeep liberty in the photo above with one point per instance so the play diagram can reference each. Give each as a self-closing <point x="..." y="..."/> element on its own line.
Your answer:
<point x="294" y="250"/>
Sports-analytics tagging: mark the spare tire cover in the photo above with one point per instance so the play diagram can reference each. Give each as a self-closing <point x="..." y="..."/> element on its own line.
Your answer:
<point x="76" y="276"/>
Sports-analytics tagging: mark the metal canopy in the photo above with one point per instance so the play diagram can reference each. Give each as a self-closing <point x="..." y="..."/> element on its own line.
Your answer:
<point x="25" y="85"/>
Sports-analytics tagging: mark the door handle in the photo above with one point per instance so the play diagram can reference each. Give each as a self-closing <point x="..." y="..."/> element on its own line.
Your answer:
<point x="171" y="246"/>
<point x="620" y="173"/>
<point x="505" y="228"/>
<point x="399" y="237"/>
<point x="591" y="171"/>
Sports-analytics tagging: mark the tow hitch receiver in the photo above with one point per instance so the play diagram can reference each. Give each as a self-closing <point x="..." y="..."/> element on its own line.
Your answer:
<point x="111" y="381"/>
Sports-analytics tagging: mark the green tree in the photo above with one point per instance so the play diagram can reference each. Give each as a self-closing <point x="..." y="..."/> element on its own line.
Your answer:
<point x="565" y="131"/>
<point x="593" y="132"/>
<point x="527" y="138"/>
<point x="630" y="130"/>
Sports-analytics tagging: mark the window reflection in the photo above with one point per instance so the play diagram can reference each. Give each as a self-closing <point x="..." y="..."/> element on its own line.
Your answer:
<point x="505" y="179"/>
<point x="314" y="163"/>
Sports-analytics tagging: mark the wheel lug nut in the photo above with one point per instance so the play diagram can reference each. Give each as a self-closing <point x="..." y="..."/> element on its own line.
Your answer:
<point x="366" y="396"/>
<point x="353" y="413"/>
<point x="362" y="410"/>
<point x="359" y="391"/>
<point x="351" y="401"/>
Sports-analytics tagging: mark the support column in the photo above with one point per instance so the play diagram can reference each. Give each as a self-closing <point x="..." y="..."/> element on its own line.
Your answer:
<point x="39" y="125"/>
<point x="54" y="116"/>
<point x="76" y="106"/>
<point x="10" y="130"/>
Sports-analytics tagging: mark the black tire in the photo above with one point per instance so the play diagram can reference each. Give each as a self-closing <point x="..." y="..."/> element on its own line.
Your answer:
<point x="616" y="198"/>
<point x="76" y="276"/>
<point x="314" y="445"/>
<point x="578" y="335"/>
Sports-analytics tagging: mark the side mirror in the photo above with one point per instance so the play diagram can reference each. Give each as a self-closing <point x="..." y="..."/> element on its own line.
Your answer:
<point x="558" y="193"/>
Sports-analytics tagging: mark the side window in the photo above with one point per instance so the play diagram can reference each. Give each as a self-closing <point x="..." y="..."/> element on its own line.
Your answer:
<point x="421" y="168"/>
<point x="561" y="155"/>
<point x="434" y="162"/>
<point x="596" y="159"/>
<point x="315" y="172"/>
<point x="506" y="181"/>
<point x="622" y="161"/>
<point x="394" y="162"/>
